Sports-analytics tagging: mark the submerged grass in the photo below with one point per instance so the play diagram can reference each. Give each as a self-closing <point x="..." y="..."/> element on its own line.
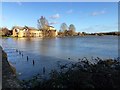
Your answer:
<point x="82" y="74"/>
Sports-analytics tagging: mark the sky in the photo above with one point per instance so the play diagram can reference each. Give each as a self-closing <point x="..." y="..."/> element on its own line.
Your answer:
<point x="86" y="16"/>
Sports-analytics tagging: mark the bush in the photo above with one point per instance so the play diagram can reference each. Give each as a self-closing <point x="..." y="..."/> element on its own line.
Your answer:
<point x="83" y="74"/>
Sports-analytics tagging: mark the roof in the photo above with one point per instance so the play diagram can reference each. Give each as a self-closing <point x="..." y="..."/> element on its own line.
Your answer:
<point x="18" y="27"/>
<point x="32" y="28"/>
<point x="51" y="26"/>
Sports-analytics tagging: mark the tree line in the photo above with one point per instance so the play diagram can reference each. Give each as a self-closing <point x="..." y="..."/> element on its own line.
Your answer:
<point x="67" y="31"/>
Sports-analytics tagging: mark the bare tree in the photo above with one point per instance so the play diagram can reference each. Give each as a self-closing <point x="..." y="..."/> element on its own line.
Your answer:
<point x="42" y="23"/>
<point x="63" y="27"/>
<point x="71" y="30"/>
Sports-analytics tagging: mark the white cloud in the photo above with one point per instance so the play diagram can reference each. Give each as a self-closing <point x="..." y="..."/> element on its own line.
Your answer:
<point x="19" y="3"/>
<point x="88" y="29"/>
<point x="111" y="27"/>
<point x="96" y="13"/>
<point x="101" y="28"/>
<point x="51" y="23"/>
<point x="55" y="16"/>
<point x="69" y="11"/>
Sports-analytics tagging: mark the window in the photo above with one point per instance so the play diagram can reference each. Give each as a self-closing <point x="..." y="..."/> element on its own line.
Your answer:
<point x="24" y="30"/>
<point x="15" y="30"/>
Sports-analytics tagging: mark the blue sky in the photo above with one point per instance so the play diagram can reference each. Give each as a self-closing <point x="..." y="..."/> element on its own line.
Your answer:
<point x="86" y="16"/>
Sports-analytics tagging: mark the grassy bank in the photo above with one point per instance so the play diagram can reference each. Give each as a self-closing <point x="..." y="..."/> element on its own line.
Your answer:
<point x="83" y="74"/>
<point x="9" y="79"/>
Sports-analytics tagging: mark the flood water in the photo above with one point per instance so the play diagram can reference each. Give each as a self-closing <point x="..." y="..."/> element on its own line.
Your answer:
<point x="47" y="52"/>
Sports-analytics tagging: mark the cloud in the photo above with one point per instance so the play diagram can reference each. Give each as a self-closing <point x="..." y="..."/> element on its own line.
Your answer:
<point x="111" y="27"/>
<point x="55" y="16"/>
<point x="69" y="11"/>
<point x="19" y="3"/>
<point x="96" y="13"/>
<point x="51" y="23"/>
<point x="88" y="29"/>
<point x="101" y="28"/>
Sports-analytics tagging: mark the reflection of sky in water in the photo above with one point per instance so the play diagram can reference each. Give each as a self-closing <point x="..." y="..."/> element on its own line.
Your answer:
<point x="46" y="52"/>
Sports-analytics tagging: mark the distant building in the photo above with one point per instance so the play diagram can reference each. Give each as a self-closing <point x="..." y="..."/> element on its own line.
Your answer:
<point x="26" y="32"/>
<point x="33" y="32"/>
<point x="51" y="28"/>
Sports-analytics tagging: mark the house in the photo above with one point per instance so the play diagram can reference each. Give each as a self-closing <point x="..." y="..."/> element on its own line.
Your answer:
<point x="26" y="32"/>
<point x="17" y="31"/>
